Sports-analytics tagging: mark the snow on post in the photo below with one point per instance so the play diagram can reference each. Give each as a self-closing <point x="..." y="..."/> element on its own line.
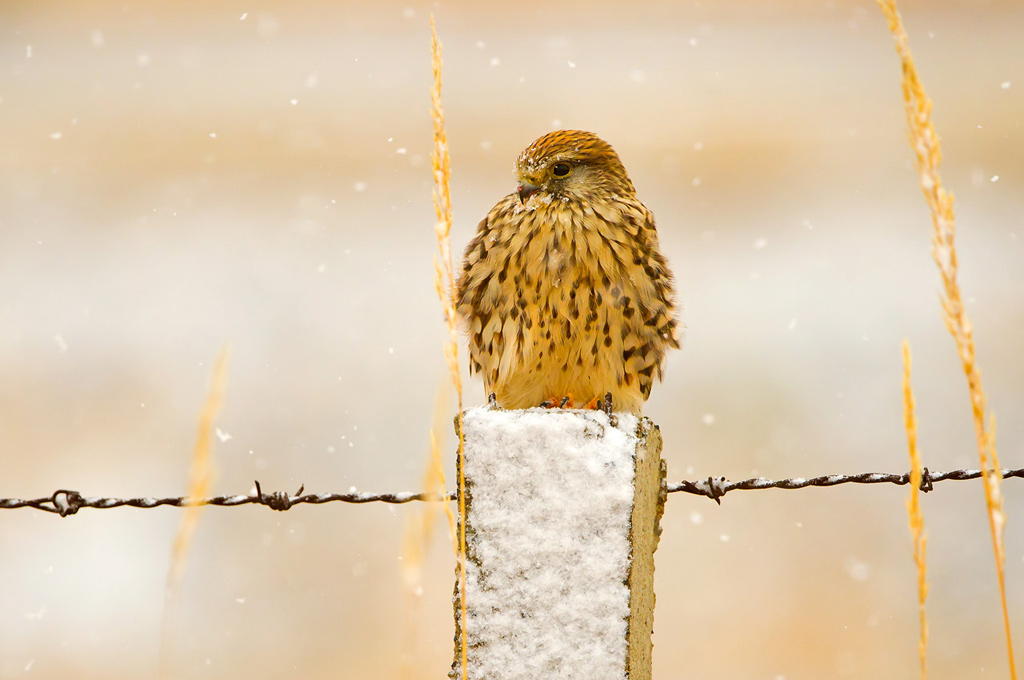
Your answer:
<point x="562" y="520"/>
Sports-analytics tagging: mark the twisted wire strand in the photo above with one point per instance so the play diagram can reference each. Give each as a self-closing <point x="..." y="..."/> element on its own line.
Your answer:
<point x="716" y="487"/>
<point x="66" y="502"/>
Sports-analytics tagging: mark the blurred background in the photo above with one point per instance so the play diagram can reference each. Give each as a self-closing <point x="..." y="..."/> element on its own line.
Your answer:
<point x="177" y="176"/>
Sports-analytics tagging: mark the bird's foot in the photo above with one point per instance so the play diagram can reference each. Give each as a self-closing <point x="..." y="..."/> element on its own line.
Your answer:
<point x="555" y="402"/>
<point x="492" y="401"/>
<point x="594" y="404"/>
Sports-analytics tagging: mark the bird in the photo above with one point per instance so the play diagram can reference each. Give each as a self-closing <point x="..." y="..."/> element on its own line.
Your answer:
<point x="563" y="291"/>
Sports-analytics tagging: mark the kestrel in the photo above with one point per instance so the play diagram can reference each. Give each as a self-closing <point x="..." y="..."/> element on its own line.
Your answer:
<point x="563" y="291"/>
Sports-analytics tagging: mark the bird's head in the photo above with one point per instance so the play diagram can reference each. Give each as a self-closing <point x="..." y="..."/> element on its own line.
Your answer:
<point x="572" y="165"/>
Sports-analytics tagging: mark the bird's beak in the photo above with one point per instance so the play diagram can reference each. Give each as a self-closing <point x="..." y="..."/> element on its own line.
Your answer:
<point x="526" y="190"/>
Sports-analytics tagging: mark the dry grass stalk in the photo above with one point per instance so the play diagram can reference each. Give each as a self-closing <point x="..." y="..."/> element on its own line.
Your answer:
<point x="200" y="482"/>
<point x="445" y="285"/>
<point x="437" y="470"/>
<point x="914" y="509"/>
<point x="444" y="279"/>
<point x="419" y="532"/>
<point x="927" y="155"/>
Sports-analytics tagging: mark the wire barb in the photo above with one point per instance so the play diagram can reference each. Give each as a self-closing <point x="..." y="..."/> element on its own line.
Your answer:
<point x="66" y="502"/>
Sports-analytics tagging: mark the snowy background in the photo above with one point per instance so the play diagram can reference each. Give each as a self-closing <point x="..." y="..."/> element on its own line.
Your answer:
<point x="174" y="176"/>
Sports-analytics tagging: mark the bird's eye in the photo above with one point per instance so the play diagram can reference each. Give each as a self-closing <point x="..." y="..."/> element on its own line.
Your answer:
<point x="560" y="169"/>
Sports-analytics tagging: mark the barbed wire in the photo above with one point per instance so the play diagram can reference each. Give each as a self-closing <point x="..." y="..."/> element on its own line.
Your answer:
<point x="66" y="502"/>
<point x="716" y="487"/>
